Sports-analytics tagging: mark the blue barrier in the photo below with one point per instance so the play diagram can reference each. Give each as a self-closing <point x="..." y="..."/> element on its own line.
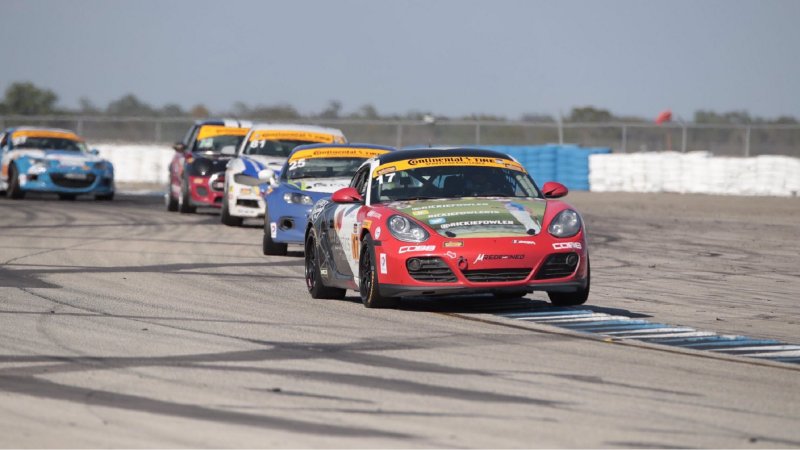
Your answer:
<point x="567" y="164"/>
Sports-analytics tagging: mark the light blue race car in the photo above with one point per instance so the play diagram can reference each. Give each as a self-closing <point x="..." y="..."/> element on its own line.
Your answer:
<point x="52" y="160"/>
<point x="311" y="173"/>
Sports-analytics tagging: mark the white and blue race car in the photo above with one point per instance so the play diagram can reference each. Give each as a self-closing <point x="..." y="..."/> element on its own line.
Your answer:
<point x="52" y="160"/>
<point x="312" y="173"/>
<point x="265" y="146"/>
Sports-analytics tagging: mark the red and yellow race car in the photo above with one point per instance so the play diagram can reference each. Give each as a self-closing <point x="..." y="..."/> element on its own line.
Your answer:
<point x="455" y="221"/>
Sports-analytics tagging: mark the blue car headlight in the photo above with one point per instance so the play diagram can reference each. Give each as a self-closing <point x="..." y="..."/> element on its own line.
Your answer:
<point x="297" y="198"/>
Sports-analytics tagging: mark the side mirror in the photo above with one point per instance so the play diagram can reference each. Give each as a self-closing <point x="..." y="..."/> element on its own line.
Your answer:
<point x="268" y="176"/>
<point x="94" y="151"/>
<point x="179" y="147"/>
<point x="347" y="195"/>
<point x="228" y="150"/>
<point x="552" y="189"/>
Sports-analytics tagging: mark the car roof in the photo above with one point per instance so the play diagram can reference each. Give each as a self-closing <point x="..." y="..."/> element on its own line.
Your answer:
<point x="438" y="153"/>
<point x="297" y="127"/>
<point x="233" y="123"/>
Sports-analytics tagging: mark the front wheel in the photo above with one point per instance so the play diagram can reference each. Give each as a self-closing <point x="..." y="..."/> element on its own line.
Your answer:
<point x="313" y="278"/>
<point x="184" y="201"/>
<point x="573" y="298"/>
<point x="369" y="286"/>
<point x="226" y="217"/>
<point x="268" y="246"/>
<point x="169" y="200"/>
<point x="14" y="189"/>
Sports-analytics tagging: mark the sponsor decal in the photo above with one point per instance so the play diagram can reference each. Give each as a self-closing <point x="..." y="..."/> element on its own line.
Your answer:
<point x="317" y="209"/>
<point x="517" y="241"/>
<point x="416" y="248"/>
<point x="273" y="230"/>
<point x="476" y="223"/>
<point x="484" y="257"/>
<point x="354" y="245"/>
<point x="355" y="228"/>
<point x="245" y="191"/>
<point x="377" y="233"/>
<point x="374" y="215"/>
<point x="337" y="222"/>
<point x="210" y="131"/>
<point x="566" y="245"/>
<point x="453" y="161"/>
<point x="419" y="213"/>
<point x="383" y="171"/>
<point x="323" y="272"/>
<point x="454" y="244"/>
<point x="289" y="135"/>
<point x="197" y="180"/>
<point x="451" y="255"/>
<point x="338" y="152"/>
<point x="384" y="269"/>
<point x="463" y="213"/>
<point x="367" y="224"/>
<point x="437" y="221"/>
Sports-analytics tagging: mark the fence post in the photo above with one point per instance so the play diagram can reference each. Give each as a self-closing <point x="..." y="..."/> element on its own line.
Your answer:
<point x="683" y="137"/>
<point x="560" y="130"/>
<point x="399" y="135"/>
<point x="157" y="131"/>
<point x="478" y="133"/>
<point x="624" y="138"/>
<point x="747" y="142"/>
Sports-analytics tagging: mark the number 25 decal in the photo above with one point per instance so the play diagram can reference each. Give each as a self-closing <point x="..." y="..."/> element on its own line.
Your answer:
<point x="297" y="164"/>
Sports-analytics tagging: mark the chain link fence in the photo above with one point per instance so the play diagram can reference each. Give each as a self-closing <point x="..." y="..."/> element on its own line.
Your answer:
<point x="720" y="140"/>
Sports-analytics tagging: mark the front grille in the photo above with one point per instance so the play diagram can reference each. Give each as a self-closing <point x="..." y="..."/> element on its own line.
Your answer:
<point x="558" y="265"/>
<point x="247" y="203"/>
<point x="432" y="269"/>
<point x="60" y="179"/>
<point x="495" y="275"/>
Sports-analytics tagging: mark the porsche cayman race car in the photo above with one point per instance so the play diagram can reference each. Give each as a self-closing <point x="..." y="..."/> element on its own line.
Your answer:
<point x="435" y="222"/>
<point x="196" y="172"/>
<point x="311" y="173"/>
<point x="265" y="146"/>
<point x="52" y="160"/>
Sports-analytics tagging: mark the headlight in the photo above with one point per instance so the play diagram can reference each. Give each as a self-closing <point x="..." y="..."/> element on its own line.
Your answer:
<point x="406" y="230"/>
<point x="566" y="224"/>
<point x="294" y="197"/>
<point x="35" y="161"/>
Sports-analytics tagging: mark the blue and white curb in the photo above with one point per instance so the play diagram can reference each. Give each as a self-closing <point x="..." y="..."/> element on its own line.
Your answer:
<point x="626" y="328"/>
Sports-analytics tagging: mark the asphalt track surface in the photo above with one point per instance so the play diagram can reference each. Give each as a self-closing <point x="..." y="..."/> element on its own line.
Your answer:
<point x="123" y="325"/>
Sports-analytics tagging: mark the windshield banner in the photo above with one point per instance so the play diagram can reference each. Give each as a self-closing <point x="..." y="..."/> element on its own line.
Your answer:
<point x="479" y="161"/>
<point x="17" y="135"/>
<point x="337" y="152"/>
<point x="207" y="131"/>
<point x="291" y="135"/>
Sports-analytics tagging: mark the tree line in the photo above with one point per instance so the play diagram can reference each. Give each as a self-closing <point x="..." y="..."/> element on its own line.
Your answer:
<point x="27" y="99"/>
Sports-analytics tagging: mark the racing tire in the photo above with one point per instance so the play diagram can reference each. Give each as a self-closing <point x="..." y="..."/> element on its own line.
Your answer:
<point x="104" y="197"/>
<point x="14" y="190"/>
<point x="268" y="246"/>
<point x="68" y="197"/>
<point x="369" y="286"/>
<point x="573" y="298"/>
<point x="313" y="276"/>
<point x="185" y="200"/>
<point x="170" y="201"/>
<point x="226" y="217"/>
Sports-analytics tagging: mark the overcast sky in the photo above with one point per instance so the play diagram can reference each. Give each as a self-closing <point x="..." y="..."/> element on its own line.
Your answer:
<point x="450" y="57"/>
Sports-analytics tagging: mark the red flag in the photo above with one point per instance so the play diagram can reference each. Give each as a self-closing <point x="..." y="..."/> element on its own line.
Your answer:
<point x="664" y="116"/>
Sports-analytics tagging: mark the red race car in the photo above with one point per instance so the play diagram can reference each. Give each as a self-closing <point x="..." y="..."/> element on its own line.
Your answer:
<point x="456" y="221"/>
<point x="197" y="171"/>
